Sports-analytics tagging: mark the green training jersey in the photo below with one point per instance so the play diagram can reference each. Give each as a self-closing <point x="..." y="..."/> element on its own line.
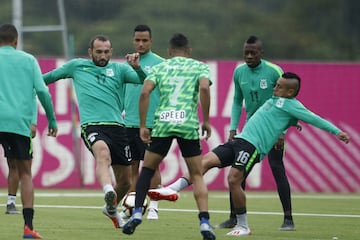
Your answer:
<point x="20" y="77"/>
<point x="276" y="115"/>
<point x="132" y="95"/>
<point x="99" y="90"/>
<point x="254" y="86"/>
<point x="178" y="82"/>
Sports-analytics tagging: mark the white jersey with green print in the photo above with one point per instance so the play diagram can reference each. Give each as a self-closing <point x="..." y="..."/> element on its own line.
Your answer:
<point x="132" y="94"/>
<point x="254" y="86"/>
<point x="178" y="82"/>
<point x="99" y="90"/>
<point x="276" y="115"/>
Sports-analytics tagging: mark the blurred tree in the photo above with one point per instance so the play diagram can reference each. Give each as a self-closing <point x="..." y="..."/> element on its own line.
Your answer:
<point x="292" y="29"/>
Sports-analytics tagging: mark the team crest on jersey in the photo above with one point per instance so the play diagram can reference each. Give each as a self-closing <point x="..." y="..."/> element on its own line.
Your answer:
<point x="280" y="102"/>
<point x="147" y="69"/>
<point x="109" y="72"/>
<point x="263" y="84"/>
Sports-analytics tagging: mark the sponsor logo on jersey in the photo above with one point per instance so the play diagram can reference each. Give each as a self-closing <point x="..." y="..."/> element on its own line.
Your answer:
<point x="173" y="116"/>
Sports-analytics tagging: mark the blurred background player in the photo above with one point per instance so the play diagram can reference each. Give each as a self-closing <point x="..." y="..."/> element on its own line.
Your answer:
<point x="99" y="87"/>
<point x="142" y="41"/>
<point x="182" y="81"/>
<point x="17" y="109"/>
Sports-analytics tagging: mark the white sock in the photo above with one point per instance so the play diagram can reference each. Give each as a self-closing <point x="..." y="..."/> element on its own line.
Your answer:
<point x="11" y="199"/>
<point x="179" y="184"/>
<point x="241" y="220"/>
<point x="153" y="204"/>
<point x="108" y="188"/>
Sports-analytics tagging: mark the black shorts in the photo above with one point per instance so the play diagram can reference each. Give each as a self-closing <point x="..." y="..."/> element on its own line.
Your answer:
<point x="239" y="154"/>
<point x="16" y="146"/>
<point x="137" y="146"/>
<point x="188" y="148"/>
<point x="114" y="135"/>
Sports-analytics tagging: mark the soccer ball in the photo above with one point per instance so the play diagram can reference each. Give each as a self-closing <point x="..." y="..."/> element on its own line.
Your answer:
<point x="128" y="204"/>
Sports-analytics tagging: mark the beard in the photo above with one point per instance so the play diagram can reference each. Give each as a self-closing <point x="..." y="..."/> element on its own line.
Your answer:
<point x="101" y="62"/>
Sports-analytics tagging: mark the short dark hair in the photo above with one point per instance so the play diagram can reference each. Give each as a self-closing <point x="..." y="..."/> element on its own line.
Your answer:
<point x="252" y="39"/>
<point x="179" y="41"/>
<point x="8" y="33"/>
<point x="142" y="28"/>
<point x="290" y="75"/>
<point x="102" y="38"/>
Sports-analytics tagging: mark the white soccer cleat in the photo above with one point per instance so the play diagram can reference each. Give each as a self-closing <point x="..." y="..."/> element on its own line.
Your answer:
<point x="163" y="194"/>
<point x="116" y="218"/>
<point x="239" y="231"/>
<point x="152" y="214"/>
<point x="111" y="202"/>
<point x="123" y="215"/>
<point x="206" y="231"/>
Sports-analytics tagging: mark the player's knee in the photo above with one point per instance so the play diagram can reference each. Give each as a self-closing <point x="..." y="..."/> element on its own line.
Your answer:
<point x="234" y="180"/>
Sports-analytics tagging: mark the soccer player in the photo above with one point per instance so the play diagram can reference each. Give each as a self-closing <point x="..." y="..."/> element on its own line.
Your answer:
<point x="254" y="81"/>
<point x="16" y="104"/>
<point x="99" y="87"/>
<point x="142" y="41"/>
<point x="257" y="138"/>
<point x="180" y="81"/>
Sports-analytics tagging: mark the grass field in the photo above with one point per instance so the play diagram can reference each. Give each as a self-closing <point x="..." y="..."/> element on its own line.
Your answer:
<point x="76" y="215"/>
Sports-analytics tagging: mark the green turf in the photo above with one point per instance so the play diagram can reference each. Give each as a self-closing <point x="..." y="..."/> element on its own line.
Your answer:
<point x="317" y="217"/>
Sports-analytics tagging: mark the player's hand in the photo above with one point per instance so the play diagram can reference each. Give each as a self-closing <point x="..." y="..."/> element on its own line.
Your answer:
<point x="52" y="132"/>
<point x="33" y="130"/>
<point x="231" y="135"/>
<point x="206" y="130"/>
<point x="145" y="135"/>
<point x="280" y="142"/>
<point x="133" y="60"/>
<point x="343" y="136"/>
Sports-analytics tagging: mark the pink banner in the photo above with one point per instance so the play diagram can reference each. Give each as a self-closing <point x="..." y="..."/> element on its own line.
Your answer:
<point x="315" y="160"/>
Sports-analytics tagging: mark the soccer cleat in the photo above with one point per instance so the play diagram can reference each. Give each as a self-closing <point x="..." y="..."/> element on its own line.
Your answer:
<point x="288" y="225"/>
<point x="116" y="218"/>
<point x="163" y="194"/>
<point x="123" y="215"/>
<point x="28" y="233"/>
<point x="111" y="202"/>
<point x="229" y="223"/>
<point x="206" y="231"/>
<point x="239" y="231"/>
<point x="152" y="214"/>
<point x="129" y="227"/>
<point x="11" y="209"/>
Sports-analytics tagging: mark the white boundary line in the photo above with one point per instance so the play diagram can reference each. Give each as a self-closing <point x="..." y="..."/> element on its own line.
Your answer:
<point x="225" y="195"/>
<point x="211" y="211"/>
<point x="265" y="196"/>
